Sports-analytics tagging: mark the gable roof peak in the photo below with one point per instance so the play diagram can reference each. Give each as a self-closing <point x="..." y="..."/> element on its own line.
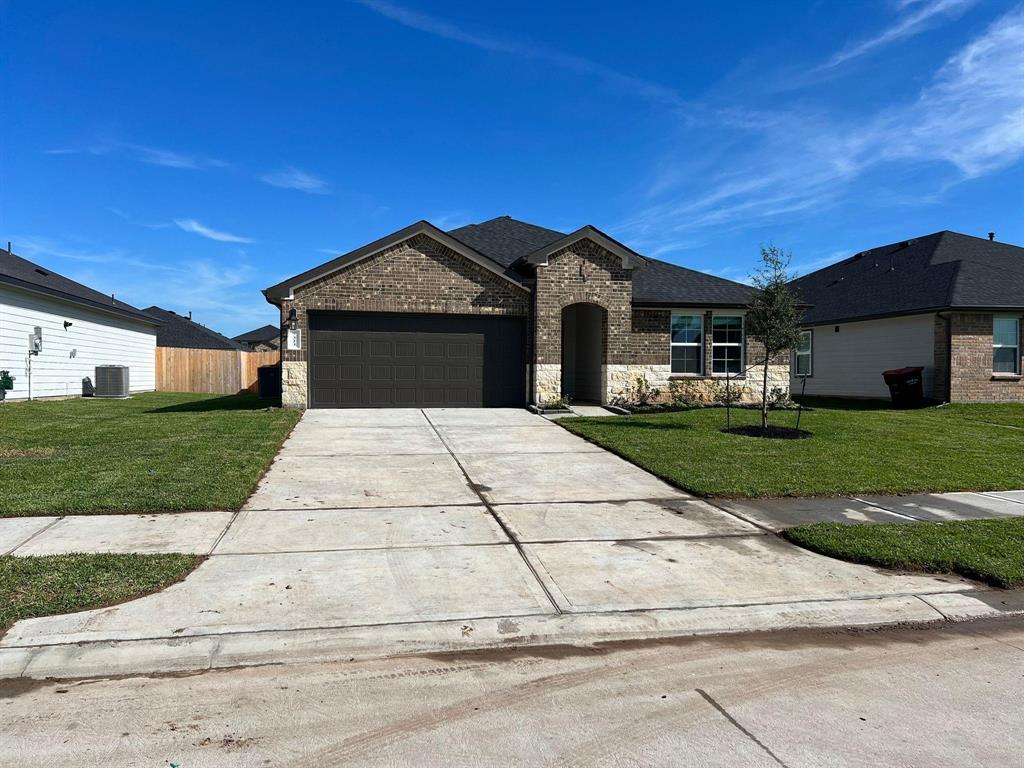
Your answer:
<point x="630" y="258"/>
<point x="283" y="290"/>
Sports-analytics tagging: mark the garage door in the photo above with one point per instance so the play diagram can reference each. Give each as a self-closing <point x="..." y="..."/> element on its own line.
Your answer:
<point x="377" y="360"/>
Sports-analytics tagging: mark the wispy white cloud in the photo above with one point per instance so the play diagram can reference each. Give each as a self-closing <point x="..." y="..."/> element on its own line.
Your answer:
<point x="38" y="248"/>
<point x="816" y="263"/>
<point x="193" y="226"/>
<point x="920" y="15"/>
<point x="438" y="27"/>
<point x="968" y="121"/>
<point x="451" y="220"/>
<point x="295" y="178"/>
<point x="147" y="224"/>
<point x="142" y="153"/>
<point x="223" y="295"/>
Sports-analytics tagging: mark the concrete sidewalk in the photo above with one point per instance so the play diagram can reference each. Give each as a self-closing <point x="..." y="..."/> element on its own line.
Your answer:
<point x="201" y="532"/>
<point x="379" y="532"/>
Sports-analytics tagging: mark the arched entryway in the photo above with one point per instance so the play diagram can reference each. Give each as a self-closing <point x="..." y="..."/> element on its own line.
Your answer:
<point x="583" y="330"/>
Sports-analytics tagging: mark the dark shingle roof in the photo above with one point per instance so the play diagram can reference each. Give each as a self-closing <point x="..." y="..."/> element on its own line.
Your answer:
<point x="506" y="240"/>
<point x="266" y="333"/>
<point x="939" y="271"/>
<point x="23" y="273"/>
<point x="505" y="243"/>
<point x="663" y="283"/>
<point x="178" y="331"/>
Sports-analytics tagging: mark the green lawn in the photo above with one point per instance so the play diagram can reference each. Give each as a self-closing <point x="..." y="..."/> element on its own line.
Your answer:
<point x="988" y="550"/>
<point x="856" y="448"/>
<point x="154" y="452"/>
<point x="44" y="586"/>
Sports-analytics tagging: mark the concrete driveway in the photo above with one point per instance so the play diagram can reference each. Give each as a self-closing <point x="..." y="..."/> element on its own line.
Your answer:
<point x="397" y="527"/>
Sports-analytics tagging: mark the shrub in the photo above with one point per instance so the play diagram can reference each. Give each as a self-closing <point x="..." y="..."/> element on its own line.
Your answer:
<point x="562" y="401"/>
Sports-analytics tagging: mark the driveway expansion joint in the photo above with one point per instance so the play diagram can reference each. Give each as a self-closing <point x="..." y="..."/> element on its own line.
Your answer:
<point x="475" y="487"/>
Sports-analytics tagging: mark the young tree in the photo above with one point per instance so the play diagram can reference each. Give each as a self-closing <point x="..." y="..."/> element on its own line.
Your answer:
<point x="774" y="314"/>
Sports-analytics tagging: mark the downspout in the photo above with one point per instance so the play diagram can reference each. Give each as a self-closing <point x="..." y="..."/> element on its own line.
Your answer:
<point x="532" y="330"/>
<point x="947" y="374"/>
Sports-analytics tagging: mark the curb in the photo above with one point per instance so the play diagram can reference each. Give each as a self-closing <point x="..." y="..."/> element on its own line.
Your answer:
<point x="106" y="658"/>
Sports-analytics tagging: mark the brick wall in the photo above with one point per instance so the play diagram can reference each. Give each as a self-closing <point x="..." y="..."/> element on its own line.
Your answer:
<point x="417" y="275"/>
<point x="637" y="340"/>
<point x="971" y="376"/>
<point x="583" y="272"/>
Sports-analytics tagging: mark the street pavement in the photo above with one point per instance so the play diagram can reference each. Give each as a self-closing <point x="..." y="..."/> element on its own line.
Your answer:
<point x="945" y="696"/>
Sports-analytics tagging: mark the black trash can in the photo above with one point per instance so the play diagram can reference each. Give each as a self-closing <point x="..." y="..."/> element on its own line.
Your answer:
<point x="905" y="386"/>
<point x="268" y="382"/>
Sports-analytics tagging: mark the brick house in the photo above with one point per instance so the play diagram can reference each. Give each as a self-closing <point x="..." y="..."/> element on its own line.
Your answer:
<point x="947" y="302"/>
<point x="504" y="313"/>
<point x="264" y="339"/>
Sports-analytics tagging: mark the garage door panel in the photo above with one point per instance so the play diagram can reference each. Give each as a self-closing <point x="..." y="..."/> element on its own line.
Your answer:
<point x="456" y="373"/>
<point x="325" y="372"/>
<point x="326" y="396"/>
<point x="325" y="347"/>
<point x="350" y="372"/>
<point x="457" y="351"/>
<point x="350" y="348"/>
<point x="406" y="349"/>
<point x="387" y="360"/>
<point x="349" y="397"/>
<point x="405" y="373"/>
<point x="382" y="348"/>
<point x="432" y="373"/>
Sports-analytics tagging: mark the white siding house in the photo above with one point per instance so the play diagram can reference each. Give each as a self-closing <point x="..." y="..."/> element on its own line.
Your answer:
<point x="847" y="359"/>
<point x="78" y="334"/>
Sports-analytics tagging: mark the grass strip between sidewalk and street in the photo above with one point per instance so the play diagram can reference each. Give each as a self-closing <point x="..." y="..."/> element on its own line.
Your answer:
<point x="991" y="551"/>
<point x="55" y="584"/>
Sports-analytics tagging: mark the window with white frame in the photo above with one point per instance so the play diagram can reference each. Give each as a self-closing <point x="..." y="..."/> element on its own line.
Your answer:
<point x="727" y="344"/>
<point x="687" y="344"/>
<point x="803" y="355"/>
<point x="1006" y="345"/>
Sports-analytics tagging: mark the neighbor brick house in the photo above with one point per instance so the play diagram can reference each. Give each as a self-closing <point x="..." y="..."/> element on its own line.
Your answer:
<point x="264" y="339"/>
<point x="501" y="314"/>
<point x="947" y="302"/>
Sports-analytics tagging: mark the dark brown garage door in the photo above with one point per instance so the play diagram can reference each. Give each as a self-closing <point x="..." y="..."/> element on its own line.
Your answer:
<point x="378" y="360"/>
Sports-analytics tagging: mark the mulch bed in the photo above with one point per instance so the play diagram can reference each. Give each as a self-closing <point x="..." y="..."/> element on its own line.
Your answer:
<point x="772" y="433"/>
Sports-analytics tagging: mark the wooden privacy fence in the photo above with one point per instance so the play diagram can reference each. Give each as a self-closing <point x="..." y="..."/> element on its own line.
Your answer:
<point x="219" y="371"/>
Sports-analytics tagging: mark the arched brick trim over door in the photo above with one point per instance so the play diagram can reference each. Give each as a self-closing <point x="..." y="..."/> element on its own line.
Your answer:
<point x="583" y="297"/>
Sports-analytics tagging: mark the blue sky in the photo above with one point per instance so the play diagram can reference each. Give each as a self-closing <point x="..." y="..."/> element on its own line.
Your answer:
<point x="190" y="154"/>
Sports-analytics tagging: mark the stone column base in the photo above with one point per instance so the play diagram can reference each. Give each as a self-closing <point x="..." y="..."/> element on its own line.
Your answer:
<point x="547" y="382"/>
<point x="294" y="392"/>
<point x="620" y="379"/>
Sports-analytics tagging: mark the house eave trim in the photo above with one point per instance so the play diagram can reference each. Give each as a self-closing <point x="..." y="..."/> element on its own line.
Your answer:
<point x="911" y="313"/>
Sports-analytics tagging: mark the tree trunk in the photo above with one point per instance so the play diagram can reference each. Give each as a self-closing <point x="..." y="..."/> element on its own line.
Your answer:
<point x="764" y="395"/>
